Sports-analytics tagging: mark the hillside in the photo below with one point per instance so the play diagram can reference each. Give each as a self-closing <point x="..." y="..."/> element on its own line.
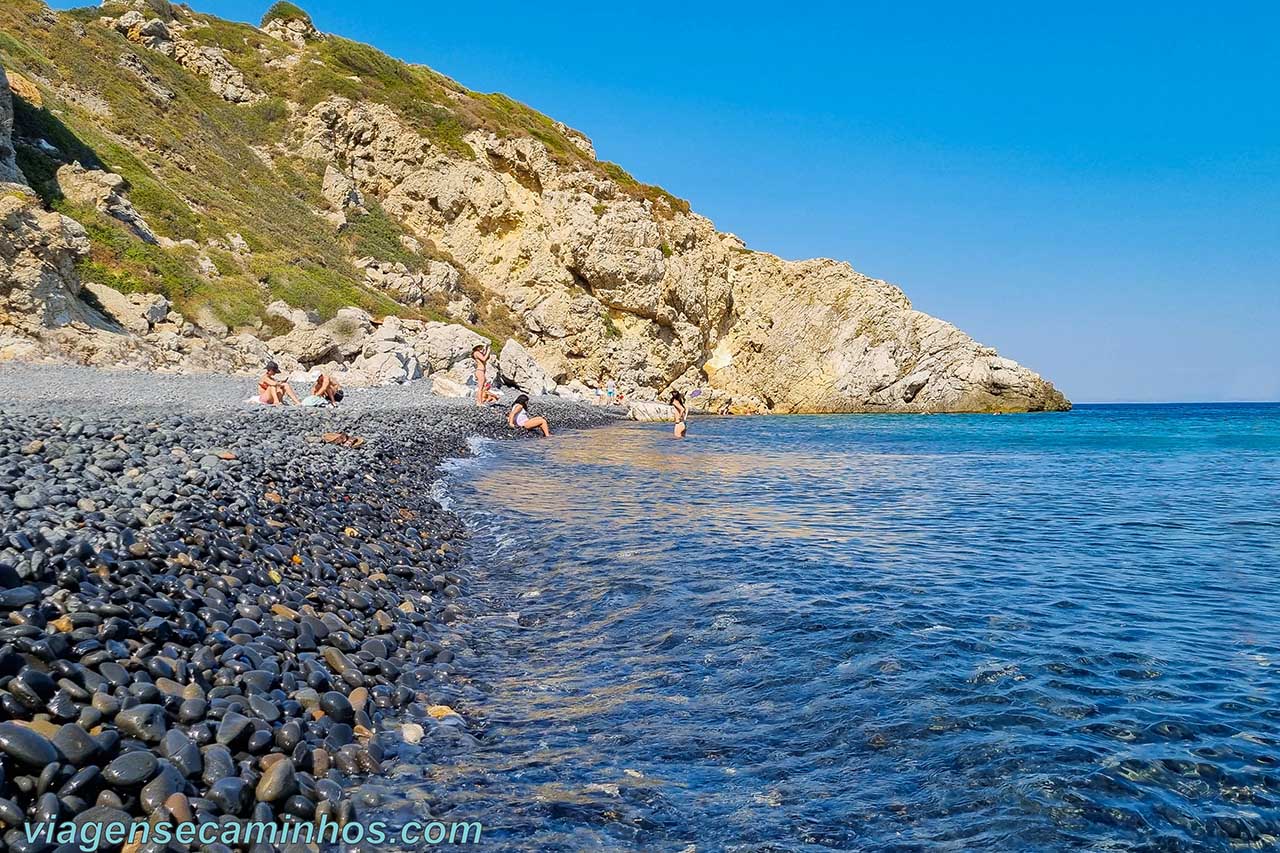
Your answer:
<point x="263" y="168"/>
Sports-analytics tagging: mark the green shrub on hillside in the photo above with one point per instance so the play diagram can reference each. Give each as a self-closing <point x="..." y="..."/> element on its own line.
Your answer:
<point x="375" y="234"/>
<point x="284" y="11"/>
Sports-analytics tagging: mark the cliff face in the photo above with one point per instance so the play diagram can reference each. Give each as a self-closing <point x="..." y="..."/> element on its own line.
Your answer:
<point x="397" y="190"/>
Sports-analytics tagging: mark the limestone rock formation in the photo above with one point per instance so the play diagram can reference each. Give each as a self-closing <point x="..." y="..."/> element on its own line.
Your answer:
<point x="409" y="195"/>
<point x="517" y="367"/>
<point x="39" y="287"/>
<point x="610" y="286"/>
<point x="104" y="191"/>
<point x="9" y="172"/>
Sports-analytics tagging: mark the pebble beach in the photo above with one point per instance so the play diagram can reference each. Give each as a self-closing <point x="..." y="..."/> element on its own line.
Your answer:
<point x="207" y="611"/>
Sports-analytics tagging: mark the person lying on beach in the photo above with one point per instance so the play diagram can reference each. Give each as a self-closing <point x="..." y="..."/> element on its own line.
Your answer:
<point x="519" y="417"/>
<point x="677" y="403"/>
<point x="484" y="391"/>
<point x="272" y="391"/>
<point x="325" y="392"/>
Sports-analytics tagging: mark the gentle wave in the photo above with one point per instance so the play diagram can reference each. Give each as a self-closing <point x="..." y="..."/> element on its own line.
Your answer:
<point x="877" y="633"/>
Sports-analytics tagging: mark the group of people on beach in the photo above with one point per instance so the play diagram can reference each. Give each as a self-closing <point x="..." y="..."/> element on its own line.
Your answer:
<point x="274" y="390"/>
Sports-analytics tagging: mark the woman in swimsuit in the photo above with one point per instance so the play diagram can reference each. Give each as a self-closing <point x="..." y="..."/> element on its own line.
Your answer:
<point x="272" y="391"/>
<point x="484" y="392"/>
<point x="677" y="403"/>
<point x="519" y="417"/>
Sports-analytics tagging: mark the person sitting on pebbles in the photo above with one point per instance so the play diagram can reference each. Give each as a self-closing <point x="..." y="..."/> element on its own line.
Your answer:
<point x="272" y="391"/>
<point x="325" y="392"/>
<point x="519" y="417"/>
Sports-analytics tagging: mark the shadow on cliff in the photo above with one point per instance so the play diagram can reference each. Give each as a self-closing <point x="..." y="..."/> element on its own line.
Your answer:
<point x="43" y="145"/>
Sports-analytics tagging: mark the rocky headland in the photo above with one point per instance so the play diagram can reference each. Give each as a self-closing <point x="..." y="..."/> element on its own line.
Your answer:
<point x="213" y="613"/>
<point x="185" y="193"/>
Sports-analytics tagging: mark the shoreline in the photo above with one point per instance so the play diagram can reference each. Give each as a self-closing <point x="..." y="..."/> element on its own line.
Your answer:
<point x="208" y="611"/>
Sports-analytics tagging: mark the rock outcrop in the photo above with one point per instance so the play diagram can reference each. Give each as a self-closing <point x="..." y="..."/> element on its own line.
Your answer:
<point x="609" y="285"/>
<point x="211" y="63"/>
<point x="428" y="199"/>
<point x="9" y="172"/>
<point x="104" y="191"/>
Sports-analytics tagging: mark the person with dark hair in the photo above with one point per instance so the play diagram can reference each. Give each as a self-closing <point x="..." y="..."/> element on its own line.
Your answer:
<point x="520" y="418"/>
<point x="484" y="391"/>
<point x="272" y="391"/>
<point x="677" y="403"/>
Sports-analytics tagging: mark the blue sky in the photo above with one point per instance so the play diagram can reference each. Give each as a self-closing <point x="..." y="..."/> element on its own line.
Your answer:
<point x="1092" y="188"/>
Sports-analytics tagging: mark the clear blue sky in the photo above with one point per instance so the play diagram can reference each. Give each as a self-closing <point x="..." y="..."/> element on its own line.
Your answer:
<point x="1092" y="188"/>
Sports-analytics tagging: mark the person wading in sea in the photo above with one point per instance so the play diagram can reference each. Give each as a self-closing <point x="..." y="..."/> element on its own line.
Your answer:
<point x="677" y="403"/>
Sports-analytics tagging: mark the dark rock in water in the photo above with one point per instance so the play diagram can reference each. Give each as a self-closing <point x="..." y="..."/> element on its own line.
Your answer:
<point x="25" y="746"/>
<point x="131" y="769"/>
<point x="145" y="722"/>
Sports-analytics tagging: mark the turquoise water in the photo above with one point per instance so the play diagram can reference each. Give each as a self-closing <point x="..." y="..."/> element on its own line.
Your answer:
<point x="1041" y="632"/>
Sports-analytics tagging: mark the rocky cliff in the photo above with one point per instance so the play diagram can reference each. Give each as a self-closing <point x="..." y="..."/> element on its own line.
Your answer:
<point x="263" y="179"/>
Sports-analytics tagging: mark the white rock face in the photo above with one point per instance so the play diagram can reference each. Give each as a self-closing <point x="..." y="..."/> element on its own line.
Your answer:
<point x="106" y="192"/>
<point x="225" y="80"/>
<point x="518" y="367"/>
<point x="9" y="172"/>
<point x="340" y="190"/>
<point x="294" y="31"/>
<point x="614" y="285"/>
<point x="136" y="312"/>
<point x="39" y="287"/>
<point x="651" y="412"/>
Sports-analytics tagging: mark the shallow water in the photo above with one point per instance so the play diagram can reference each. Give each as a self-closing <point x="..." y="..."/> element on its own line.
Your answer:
<point x="879" y="633"/>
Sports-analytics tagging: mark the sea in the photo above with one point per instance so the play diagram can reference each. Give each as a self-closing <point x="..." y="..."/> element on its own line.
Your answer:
<point x="876" y="632"/>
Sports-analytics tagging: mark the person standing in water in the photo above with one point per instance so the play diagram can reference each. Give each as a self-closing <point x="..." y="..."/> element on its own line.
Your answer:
<point x="519" y="418"/>
<point x="484" y="394"/>
<point x="677" y="403"/>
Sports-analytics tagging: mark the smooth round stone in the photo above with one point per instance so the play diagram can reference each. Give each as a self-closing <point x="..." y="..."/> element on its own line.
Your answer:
<point x="76" y="744"/>
<point x="32" y="688"/>
<point x="26" y="746"/>
<point x="218" y="764"/>
<point x="335" y="705"/>
<point x="264" y="708"/>
<point x="279" y="782"/>
<point x="232" y="795"/>
<point x="192" y="710"/>
<point x="145" y="722"/>
<point x="233" y="729"/>
<point x="131" y="769"/>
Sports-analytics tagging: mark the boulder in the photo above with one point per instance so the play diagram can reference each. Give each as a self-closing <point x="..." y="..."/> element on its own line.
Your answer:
<point x="293" y="316"/>
<point x="388" y="366"/>
<point x="440" y="346"/>
<point x="651" y="412"/>
<point x="442" y="385"/>
<point x="308" y="344"/>
<point x="348" y="329"/>
<point x="103" y="191"/>
<point x="518" y="368"/>
<point x="120" y="308"/>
